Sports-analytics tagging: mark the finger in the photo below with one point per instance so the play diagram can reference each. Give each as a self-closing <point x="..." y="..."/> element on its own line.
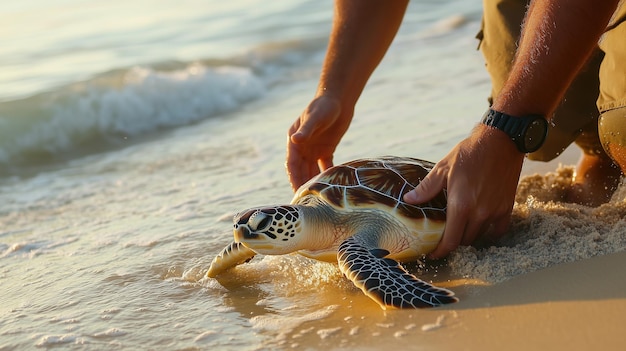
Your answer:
<point x="499" y="228"/>
<point x="293" y="128"/>
<point x="456" y="222"/>
<point x="489" y="233"/>
<point x="325" y="163"/>
<point x="294" y="166"/>
<point x="502" y="226"/>
<point x="294" y="173"/>
<point x="480" y="222"/>
<point x="302" y="175"/>
<point x="450" y="240"/>
<point x="428" y="188"/>
<point x="303" y="131"/>
<point x="472" y="231"/>
<point x="295" y="133"/>
<point x="300" y="172"/>
<point x="312" y="170"/>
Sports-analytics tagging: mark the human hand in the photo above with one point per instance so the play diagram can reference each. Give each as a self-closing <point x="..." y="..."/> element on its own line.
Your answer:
<point x="480" y="174"/>
<point x="313" y="138"/>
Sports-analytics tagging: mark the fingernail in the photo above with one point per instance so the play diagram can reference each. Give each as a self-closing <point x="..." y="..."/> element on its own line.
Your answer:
<point x="298" y="137"/>
<point x="411" y="196"/>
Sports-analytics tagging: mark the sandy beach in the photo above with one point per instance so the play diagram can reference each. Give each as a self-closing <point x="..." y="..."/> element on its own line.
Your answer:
<point x="572" y="306"/>
<point x="579" y="305"/>
<point x="126" y="149"/>
<point x="555" y="282"/>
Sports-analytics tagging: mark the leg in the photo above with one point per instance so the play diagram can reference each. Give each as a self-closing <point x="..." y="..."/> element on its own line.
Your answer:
<point x="612" y="126"/>
<point x="502" y="21"/>
<point x="385" y="280"/>
<point x="597" y="176"/>
<point x="231" y="256"/>
<point x="576" y="119"/>
<point x="612" y="98"/>
<point x="595" y="180"/>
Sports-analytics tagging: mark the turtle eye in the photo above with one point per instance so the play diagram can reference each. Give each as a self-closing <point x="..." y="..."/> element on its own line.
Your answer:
<point x="260" y="221"/>
<point x="264" y="222"/>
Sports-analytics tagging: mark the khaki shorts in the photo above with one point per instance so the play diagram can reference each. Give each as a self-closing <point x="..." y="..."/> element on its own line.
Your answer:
<point x="599" y="87"/>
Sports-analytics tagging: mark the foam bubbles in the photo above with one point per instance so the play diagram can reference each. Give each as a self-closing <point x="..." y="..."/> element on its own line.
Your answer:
<point x="110" y="333"/>
<point x="436" y="325"/>
<point x="328" y="332"/>
<point x="54" y="340"/>
<point x="151" y="99"/>
<point x="285" y="324"/>
<point x="206" y="336"/>
<point x="121" y="104"/>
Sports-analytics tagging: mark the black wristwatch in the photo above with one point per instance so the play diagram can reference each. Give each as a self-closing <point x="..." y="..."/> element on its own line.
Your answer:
<point x="527" y="132"/>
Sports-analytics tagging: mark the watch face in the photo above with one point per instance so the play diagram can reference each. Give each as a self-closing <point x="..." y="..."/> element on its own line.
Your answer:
<point x="535" y="134"/>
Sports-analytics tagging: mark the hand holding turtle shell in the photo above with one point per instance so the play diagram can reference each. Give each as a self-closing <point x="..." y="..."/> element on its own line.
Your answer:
<point x="313" y="138"/>
<point x="481" y="175"/>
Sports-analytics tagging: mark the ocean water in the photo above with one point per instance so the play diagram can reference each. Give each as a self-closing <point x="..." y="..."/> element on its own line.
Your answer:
<point x="132" y="131"/>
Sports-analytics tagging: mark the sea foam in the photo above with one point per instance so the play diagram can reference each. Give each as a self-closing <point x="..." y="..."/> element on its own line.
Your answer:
<point x="119" y="105"/>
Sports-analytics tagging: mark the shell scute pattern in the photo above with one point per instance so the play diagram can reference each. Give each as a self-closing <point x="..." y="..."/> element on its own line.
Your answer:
<point x="383" y="180"/>
<point x="377" y="183"/>
<point x="343" y="175"/>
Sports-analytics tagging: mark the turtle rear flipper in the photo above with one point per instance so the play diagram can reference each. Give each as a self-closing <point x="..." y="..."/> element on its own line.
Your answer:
<point x="231" y="256"/>
<point x="385" y="281"/>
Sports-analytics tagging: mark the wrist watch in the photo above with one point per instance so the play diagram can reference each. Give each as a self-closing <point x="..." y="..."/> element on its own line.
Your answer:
<point x="527" y="132"/>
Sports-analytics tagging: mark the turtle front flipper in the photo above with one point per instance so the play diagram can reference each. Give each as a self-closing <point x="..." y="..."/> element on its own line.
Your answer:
<point x="385" y="281"/>
<point x="231" y="256"/>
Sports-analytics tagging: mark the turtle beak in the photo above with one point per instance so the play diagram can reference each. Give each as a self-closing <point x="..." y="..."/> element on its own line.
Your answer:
<point x="251" y="240"/>
<point x="242" y="233"/>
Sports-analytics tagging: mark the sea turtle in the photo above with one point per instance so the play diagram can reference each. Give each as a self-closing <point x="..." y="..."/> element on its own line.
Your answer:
<point x="352" y="214"/>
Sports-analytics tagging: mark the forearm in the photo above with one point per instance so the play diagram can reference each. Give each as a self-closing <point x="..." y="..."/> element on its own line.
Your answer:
<point x="557" y="39"/>
<point x="361" y="34"/>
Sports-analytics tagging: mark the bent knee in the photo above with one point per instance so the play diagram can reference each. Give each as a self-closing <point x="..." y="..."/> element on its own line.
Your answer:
<point x="612" y="131"/>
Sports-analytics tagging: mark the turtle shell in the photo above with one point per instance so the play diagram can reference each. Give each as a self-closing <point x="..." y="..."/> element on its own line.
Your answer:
<point x="376" y="183"/>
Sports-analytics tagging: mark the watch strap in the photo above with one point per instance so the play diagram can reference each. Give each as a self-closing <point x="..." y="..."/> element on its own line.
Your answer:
<point x="517" y="128"/>
<point x="513" y="126"/>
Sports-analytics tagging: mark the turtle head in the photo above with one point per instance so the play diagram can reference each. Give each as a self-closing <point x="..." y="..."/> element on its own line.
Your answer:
<point x="270" y="230"/>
